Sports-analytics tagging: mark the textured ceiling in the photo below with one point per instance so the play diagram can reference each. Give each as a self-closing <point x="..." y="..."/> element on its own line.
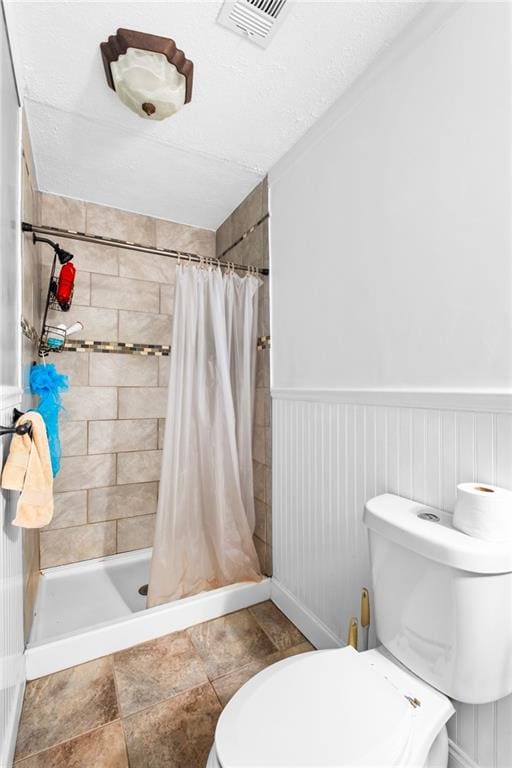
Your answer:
<point x="249" y="105"/>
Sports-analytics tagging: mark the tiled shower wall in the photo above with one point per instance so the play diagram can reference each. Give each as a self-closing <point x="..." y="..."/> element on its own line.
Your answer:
<point x="253" y="249"/>
<point x="112" y="429"/>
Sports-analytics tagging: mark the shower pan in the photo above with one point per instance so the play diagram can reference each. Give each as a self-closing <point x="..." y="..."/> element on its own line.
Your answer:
<point x="94" y="608"/>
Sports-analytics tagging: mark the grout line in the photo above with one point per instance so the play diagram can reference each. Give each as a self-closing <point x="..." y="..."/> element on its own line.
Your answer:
<point x="72" y="738"/>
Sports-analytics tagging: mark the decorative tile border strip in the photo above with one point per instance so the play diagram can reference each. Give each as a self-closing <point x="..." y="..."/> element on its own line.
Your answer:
<point x="120" y="347"/>
<point x="124" y="348"/>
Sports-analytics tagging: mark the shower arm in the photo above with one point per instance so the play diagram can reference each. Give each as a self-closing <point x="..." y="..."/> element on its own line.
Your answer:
<point x="127" y="245"/>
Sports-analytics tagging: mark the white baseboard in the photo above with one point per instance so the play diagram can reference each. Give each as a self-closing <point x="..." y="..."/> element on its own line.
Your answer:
<point x="84" y="645"/>
<point x="457" y="758"/>
<point x="8" y="739"/>
<point x="310" y="626"/>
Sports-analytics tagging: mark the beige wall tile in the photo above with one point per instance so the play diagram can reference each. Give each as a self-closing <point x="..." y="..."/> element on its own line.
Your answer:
<point x="69" y="509"/>
<point x="258" y="444"/>
<point x="75" y="365"/>
<point x="262" y="407"/>
<point x="141" y="466"/>
<point x="259" y="481"/>
<point x="249" y="250"/>
<point x="262" y="368"/>
<point x="119" y="370"/>
<point x="266" y="250"/>
<point x="28" y="155"/>
<point x="31" y="545"/>
<point x="268" y="509"/>
<point x="90" y="403"/>
<point x="124" y="293"/>
<point x="135" y="533"/>
<point x="121" y="225"/>
<point x="224" y="236"/>
<point x="142" y="402"/>
<point x="249" y="211"/>
<point x="122" y="435"/>
<point x="263" y="317"/>
<point x="122" y="501"/>
<point x="268" y="485"/>
<point x="180" y="237"/>
<point x="62" y="212"/>
<point x="261" y="551"/>
<point x="73" y="437"/>
<point x="83" y="542"/>
<point x="161" y="432"/>
<point x="161" y="269"/>
<point x="81" y="291"/>
<point x="89" y="257"/>
<point x="269" y="561"/>
<point x="81" y="472"/>
<point x="260" y="511"/>
<point x="268" y="446"/>
<point x="99" y="324"/>
<point x="144" y="328"/>
<point x="164" y="368"/>
<point x="167" y="298"/>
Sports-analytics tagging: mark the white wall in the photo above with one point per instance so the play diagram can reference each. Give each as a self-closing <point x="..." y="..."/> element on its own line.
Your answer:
<point x="391" y="231"/>
<point x="12" y="662"/>
<point x="391" y="316"/>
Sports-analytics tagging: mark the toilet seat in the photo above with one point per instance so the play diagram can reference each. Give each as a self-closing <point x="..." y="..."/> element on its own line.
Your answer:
<point x="327" y="708"/>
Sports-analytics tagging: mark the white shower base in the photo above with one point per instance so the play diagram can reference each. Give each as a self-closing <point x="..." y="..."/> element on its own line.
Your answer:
<point x="90" y="609"/>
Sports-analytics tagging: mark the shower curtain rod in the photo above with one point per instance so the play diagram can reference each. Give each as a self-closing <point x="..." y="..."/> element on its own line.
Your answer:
<point x="40" y="229"/>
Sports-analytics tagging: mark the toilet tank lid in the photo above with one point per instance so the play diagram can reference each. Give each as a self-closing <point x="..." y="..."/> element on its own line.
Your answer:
<point x="397" y="519"/>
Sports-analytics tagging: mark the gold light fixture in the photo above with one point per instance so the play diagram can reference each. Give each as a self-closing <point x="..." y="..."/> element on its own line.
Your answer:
<point x="151" y="76"/>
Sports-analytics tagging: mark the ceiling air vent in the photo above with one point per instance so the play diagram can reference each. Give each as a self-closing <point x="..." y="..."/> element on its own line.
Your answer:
<point x="257" y="20"/>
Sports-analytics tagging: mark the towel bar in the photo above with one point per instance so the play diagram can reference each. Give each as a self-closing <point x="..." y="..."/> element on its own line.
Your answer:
<point x="23" y="429"/>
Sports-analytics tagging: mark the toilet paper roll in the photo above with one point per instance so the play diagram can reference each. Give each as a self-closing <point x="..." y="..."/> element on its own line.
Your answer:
<point x="484" y="511"/>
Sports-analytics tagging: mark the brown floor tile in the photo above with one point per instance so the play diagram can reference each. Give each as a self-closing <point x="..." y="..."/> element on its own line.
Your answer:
<point x="102" y="748"/>
<point x="63" y="705"/>
<point x="227" y="686"/>
<point x="177" y="733"/>
<point x="230" y="642"/>
<point x="279" y="629"/>
<point x="156" y="670"/>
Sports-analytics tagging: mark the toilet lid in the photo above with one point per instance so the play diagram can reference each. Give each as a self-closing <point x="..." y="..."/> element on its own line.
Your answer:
<point x="329" y="708"/>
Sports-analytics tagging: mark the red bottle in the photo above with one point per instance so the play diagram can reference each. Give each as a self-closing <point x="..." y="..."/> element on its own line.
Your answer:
<point x="64" y="292"/>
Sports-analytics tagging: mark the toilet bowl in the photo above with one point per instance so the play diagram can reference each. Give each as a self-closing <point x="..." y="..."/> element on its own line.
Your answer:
<point x="333" y="708"/>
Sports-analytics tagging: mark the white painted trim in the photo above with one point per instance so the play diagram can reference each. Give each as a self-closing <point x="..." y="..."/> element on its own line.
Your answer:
<point x="311" y="627"/>
<point x="457" y="758"/>
<point x="425" y="24"/>
<point x="10" y="397"/>
<point x="452" y="400"/>
<point x="48" y="657"/>
<point x="8" y="740"/>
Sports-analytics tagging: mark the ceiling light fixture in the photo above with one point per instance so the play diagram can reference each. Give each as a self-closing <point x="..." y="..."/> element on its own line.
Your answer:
<point x="149" y="73"/>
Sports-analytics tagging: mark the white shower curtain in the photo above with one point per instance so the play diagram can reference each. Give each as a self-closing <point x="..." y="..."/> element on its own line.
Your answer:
<point x="205" y="517"/>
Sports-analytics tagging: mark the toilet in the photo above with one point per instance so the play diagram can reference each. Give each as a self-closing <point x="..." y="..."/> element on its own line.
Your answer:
<point x="436" y="594"/>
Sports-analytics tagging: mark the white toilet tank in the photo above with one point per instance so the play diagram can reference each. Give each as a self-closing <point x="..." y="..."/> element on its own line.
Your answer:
<point x="442" y="600"/>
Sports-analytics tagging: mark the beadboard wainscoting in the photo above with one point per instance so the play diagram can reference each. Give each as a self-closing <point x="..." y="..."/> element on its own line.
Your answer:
<point x="333" y="450"/>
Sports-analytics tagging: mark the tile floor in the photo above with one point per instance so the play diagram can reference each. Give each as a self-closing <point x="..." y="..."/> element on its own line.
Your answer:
<point x="154" y="705"/>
